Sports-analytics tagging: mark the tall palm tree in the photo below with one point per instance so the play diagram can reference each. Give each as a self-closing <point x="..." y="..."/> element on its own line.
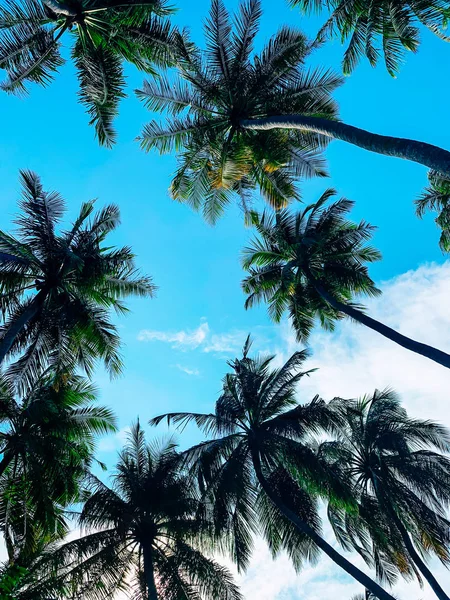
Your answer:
<point x="261" y="448"/>
<point x="242" y="120"/>
<point x="47" y="444"/>
<point x="390" y="457"/>
<point x="57" y="288"/>
<point x="148" y="532"/>
<point x="312" y="264"/>
<point x="391" y="22"/>
<point x="436" y="197"/>
<point x="102" y="34"/>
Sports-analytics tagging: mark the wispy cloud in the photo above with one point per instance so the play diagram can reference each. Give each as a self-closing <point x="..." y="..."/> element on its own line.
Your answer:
<point x="111" y="443"/>
<point x="188" y="370"/>
<point x="185" y="340"/>
<point x="202" y="337"/>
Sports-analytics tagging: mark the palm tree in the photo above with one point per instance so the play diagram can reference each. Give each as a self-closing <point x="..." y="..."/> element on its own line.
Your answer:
<point x="102" y="33"/>
<point x="260" y="458"/>
<point x="149" y="528"/>
<point x="436" y="197"/>
<point x="391" y="459"/>
<point x="47" y="444"/>
<point x="242" y="120"/>
<point x="312" y="264"/>
<point x="76" y="279"/>
<point x="393" y="23"/>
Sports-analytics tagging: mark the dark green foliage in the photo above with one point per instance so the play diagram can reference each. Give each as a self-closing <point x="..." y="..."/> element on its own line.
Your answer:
<point x="378" y="28"/>
<point x="77" y="279"/>
<point x="436" y="197"/>
<point x="392" y="461"/>
<point x="258" y="420"/>
<point x="47" y="442"/>
<point x="215" y="90"/>
<point x="103" y="34"/>
<point x="295" y="251"/>
<point x="151" y="511"/>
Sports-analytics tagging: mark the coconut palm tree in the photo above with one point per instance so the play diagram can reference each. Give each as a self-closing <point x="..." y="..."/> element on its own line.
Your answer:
<point x="102" y="35"/>
<point x="260" y="461"/>
<point x="241" y="120"/>
<point x="391" y="459"/>
<point x="149" y="531"/>
<point x="312" y="264"/>
<point x="57" y="288"/>
<point x="436" y="197"/>
<point x="47" y="444"/>
<point x="393" y="23"/>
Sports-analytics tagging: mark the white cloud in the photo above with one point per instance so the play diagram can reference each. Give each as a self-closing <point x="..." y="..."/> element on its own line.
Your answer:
<point x="202" y="337"/>
<point x="353" y="361"/>
<point x="188" y="370"/>
<point x="186" y="340"/>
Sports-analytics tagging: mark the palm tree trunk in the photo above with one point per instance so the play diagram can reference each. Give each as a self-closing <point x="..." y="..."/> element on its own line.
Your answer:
<point x="149" y="573"/>
<point x="16" y="327"/>
<point x="426" y="154"/>
<point x="337" y="558"/>
<point x="434" y="354"/>
<point x="420" y="564"/>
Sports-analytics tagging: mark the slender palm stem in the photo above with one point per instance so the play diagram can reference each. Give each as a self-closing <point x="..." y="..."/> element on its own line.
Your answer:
<point x="420" y="564"/>
<point x="337" y="558"/>
<point x="18" y="324"/>
<point x="434" y="354"/>
<point x="149" y="572"/>
<point x="426" y="154"/>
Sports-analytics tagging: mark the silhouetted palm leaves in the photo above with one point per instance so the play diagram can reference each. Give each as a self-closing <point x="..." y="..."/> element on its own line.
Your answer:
<point x="378" y="28"/>
<point x="103" y="34"/>
<point x="76" y="280"/>
<point x="149" y="531"/>
<point x="222" y="85"/>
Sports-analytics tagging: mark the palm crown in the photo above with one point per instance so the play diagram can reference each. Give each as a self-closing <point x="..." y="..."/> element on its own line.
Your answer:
<point x="220" y="87"/>
<point x="103" y="33"/>
<point x="77" y="280"/>
<point x="259" y="429"/>
<point x="47" y="442"/>
<point x="296" y="252"/>
<point x="149" y="526"/>
<point x="436" y="197"/>
<point x="399" y="479"/>
<point x="364" y="23"/>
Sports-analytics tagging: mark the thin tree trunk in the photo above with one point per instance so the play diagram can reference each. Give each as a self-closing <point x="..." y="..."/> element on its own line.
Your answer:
<point x="149" y="572"/>
<point x="16" y="327"/>
<point x="337" y="558"/>
<point x="434" y="354"/>
<point x="420" y="564"/>
<point x="426" y="154"/>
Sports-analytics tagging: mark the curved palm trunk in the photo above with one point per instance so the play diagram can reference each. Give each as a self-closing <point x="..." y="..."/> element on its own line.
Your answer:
<point x="149" y="572"/>
<point x="420" y="564"/>
<point x="337" y="558"/>
<point x="434" y="354"/>
<point x="16" y="327"/>
<point x="426" y="154"/>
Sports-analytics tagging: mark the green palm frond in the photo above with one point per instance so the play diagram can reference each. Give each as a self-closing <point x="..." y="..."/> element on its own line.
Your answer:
<point x="218" y="87"/>
<point x="293" y="252"/>
<point x="376" y="28"/>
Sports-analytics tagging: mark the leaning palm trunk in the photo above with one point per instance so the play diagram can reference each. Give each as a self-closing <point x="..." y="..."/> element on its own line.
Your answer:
<point x="16" y="327"/>
<point x="426" y="154"/>
<point x="337" y="558"/>
<point x="434" y="354"/>
<point x="149" y="574"/>
<point x="420" y="564"/>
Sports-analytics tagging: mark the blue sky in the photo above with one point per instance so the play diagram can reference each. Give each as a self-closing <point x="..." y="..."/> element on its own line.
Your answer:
<point x="196" y="266"/>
